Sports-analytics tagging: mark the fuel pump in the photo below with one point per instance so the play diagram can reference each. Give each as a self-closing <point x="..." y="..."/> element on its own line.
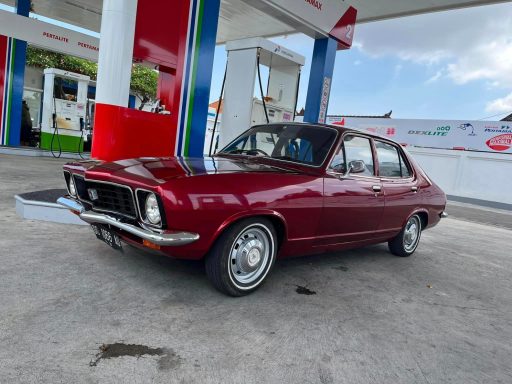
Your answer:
<point x="275" y="104"/>
<point x="64" y="117"/>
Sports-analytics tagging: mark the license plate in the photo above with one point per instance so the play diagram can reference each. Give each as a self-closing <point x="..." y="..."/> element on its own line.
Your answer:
<point x="108" y="236"/>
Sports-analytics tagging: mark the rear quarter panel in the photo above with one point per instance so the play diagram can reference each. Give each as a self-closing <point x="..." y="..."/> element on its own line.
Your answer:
<point x="433" y="198"/>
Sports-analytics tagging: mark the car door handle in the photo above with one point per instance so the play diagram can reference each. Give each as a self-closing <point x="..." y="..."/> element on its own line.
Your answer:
<point x="414" y="189"/>
<point x="376" y="188"/>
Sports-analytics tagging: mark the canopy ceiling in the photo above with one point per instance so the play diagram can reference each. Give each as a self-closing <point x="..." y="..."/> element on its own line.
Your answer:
<point x="239" y="20"/>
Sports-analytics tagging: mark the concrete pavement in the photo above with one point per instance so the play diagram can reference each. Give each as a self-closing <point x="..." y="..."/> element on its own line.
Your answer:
<point x="442" y="315"/>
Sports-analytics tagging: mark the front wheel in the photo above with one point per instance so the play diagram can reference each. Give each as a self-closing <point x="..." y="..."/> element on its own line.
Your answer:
<point x="242" y="257"/>
<point x="405" y="243"/>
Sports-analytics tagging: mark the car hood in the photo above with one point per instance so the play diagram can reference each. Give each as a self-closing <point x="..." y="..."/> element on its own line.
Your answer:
<point x="161" y="170"/>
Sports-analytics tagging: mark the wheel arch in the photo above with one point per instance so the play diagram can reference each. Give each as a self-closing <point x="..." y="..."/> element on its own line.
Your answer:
<point x="423" y="214"/>
<point x="277" y="220"/>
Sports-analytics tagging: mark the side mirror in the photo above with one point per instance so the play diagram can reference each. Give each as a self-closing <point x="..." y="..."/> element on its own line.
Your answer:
<point x="355" y="166"/>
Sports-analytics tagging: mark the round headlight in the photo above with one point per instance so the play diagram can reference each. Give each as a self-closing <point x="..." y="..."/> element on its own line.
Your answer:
<point x="72" y="187"/>
<point x="152" y="210"/>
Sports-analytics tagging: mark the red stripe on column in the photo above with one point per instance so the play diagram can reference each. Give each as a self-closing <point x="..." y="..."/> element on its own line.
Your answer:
<point x="129" y="133"/>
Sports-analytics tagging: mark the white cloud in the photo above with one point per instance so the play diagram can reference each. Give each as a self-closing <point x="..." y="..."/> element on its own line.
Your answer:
<point x="470" y="44"/>
<point x="501" y="105"/>
<point x="434" y="78"/>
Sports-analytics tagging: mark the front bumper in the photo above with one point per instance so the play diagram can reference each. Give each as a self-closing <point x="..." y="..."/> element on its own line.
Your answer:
<point x="162" y="239"/>
<point x="443" y="215"/>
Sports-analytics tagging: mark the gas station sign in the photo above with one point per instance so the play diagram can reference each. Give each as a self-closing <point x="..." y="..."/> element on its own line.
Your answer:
<point x="49" y="36"/>
<point x="333" y="18"/>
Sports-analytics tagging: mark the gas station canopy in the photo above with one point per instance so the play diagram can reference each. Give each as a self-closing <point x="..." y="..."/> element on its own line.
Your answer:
<point x="239" y="19"/>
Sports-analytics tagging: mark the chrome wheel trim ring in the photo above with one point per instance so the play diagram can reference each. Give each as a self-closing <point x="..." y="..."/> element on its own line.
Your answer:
<point x="250" y="256"/>
<point x="412" y="234"/>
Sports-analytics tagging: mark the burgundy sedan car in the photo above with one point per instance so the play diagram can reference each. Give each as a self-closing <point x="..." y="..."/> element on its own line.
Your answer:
<point x="277" y="190"/>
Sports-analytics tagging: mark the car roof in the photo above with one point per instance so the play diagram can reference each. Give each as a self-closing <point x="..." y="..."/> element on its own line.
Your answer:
<point x="339" y="128"/>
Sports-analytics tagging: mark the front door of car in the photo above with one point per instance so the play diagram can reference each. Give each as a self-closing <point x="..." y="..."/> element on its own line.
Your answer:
<point x="353" y="201"/>
<point x="398" y="184"/>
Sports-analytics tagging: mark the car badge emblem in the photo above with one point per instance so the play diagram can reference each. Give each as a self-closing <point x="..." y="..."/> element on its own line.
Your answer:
<point x="93" y="194"/>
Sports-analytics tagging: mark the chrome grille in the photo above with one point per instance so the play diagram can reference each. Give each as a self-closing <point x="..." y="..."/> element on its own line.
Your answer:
<point x="107" y="197"/>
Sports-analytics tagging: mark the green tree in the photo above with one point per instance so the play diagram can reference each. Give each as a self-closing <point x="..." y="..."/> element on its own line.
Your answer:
<point x="143" y="81"/>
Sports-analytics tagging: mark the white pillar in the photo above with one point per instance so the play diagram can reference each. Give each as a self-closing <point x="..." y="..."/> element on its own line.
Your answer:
<point x="238" y="94"/>
<point x="116" y="51"/>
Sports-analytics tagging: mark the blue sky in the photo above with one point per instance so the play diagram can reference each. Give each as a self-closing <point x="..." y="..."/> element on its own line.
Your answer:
<point x="449" y="65"/>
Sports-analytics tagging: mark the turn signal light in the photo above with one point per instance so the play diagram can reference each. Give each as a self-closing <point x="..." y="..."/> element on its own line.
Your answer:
<point x="151" y="245"/>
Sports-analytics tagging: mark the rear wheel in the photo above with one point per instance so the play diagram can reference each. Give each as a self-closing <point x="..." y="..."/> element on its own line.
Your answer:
<point x="242" y="257"/>
<point x="406" y="242"/>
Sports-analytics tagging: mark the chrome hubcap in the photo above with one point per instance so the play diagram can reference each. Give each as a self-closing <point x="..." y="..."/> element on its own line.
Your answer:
<point x="249" y="255"/>
<point x="412" y="234"/>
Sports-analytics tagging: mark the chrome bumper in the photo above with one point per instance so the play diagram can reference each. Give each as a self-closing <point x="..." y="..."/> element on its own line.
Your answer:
<point x="164" y="239"/>
<point x="443" y="215"/>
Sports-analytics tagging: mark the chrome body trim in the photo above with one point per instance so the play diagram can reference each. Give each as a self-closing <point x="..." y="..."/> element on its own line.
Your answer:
<point x="71" y="204"/>
<point x="66" y="182"/>
<point x="163" y="239"/>
<point x="443" y="215"/>
<point x="139" y="211"/>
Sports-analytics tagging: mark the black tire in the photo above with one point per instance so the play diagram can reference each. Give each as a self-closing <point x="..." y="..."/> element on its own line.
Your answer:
<point x="403" y="244"/>
<point x="229" y="269"/>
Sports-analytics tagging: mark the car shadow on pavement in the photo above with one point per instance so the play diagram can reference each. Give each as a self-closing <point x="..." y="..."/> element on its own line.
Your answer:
<point x="333" y="259"/>
<point x="185" y="274"/>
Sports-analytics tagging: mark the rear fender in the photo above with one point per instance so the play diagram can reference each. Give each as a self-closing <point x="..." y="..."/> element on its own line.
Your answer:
<point x="416" y="211"/>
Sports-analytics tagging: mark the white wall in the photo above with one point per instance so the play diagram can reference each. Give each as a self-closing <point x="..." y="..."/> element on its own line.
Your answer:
<point x="477" y="175"/>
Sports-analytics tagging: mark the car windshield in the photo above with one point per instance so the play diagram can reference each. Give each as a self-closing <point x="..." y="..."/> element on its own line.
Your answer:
<point x="297" y="143"/>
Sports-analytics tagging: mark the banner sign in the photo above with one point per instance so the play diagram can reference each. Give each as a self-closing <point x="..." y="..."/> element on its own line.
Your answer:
<point x="49" y="36"/>
<point x="487" y="136"/>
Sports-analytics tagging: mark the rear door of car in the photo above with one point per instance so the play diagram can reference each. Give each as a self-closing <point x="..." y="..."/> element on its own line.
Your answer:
<point x="399" y="185"/>
<point x="353" y="205"/>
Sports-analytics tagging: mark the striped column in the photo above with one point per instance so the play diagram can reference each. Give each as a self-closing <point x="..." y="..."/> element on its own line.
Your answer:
<point x="197" y="51"/>
<point x="12" y="77"/>
<point x="7" y="46"/>
<point x="121" y="133"/>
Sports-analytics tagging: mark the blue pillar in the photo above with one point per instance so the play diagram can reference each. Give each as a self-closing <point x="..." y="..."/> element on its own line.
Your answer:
<point x="201" y="71"/>
<point x="18" y="79"/>
<point x="320" y="79"/>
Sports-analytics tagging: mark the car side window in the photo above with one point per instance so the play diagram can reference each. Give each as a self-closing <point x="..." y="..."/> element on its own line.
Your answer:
<point x="391" y="162"/>
<point x="338" y="161"/>
<point x="406" y="171"/>
<point x="359" y="149"/>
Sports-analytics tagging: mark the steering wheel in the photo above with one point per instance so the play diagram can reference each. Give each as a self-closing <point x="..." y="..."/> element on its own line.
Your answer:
<point x="259" y="151"/>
